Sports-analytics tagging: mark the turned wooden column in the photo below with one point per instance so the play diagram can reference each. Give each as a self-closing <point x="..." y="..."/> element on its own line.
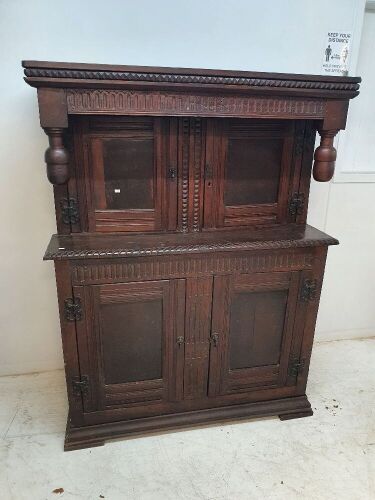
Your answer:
<point x="56" y="156"/>
<point x="325" y="156"/>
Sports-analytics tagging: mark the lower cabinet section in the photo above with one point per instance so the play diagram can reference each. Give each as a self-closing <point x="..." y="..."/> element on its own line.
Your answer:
<point x="166" y="352"/>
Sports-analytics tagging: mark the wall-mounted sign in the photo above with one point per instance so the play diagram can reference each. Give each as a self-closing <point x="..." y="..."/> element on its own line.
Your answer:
<point x="336" y="53"/>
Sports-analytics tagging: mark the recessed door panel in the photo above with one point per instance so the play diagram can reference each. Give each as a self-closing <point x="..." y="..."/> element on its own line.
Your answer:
<point x="253" y="322"/>
<point x="128" y="344"/>
<point x="252" y="170"/>
<point x="255" y="328"/>
<point x="132" y="337"/>
<point x="251" y="167"/>
<point x="129" y="162"/>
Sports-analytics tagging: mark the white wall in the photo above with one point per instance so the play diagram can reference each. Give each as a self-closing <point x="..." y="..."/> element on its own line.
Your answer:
<point x="283" y="36"/>
<point x="357" y="145"/>
<point x="347" y="308"/>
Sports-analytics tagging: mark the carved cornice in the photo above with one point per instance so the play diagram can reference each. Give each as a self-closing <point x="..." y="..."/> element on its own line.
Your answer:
<point x="132" y="76"/>
<point x="62" y="253"/>
<point x="173" y="103"/>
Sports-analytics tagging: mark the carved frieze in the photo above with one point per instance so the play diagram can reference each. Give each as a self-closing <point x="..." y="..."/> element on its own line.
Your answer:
<point x="182" y="266"/>
<point x="81" y="101"/>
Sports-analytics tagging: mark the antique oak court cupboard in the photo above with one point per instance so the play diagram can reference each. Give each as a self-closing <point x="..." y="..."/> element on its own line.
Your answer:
<point x="188" y="280"/>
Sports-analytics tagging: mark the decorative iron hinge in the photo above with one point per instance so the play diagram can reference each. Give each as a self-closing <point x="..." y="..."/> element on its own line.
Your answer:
<point x="73" y="309"/>
<point x="80" y="385"/>
<point x="296" y="204"/>
<point x="308" y="290"/>
<point x="295" y="367"/>
<point x="69" y="211"/>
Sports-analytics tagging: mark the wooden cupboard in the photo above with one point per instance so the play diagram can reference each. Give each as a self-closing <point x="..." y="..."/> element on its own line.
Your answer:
<point x="188" y="280"/>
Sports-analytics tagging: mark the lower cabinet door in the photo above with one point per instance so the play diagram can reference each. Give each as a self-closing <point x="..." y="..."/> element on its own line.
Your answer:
<point x="254" y="329"/>
<point x="128" y="343"/>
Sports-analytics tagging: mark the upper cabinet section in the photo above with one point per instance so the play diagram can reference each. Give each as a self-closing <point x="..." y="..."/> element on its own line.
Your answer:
<point x="189" y="174"/>
<point x="163" y="149"/>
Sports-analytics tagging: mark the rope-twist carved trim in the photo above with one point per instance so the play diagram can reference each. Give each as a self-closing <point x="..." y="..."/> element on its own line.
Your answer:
<point x="201" y="79"/>
<point x="188" y="249"/>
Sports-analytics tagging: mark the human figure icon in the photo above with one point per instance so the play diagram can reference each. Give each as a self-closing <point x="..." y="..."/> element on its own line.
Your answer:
<point x="344" y="54"/>
<point x="328" y="53"/>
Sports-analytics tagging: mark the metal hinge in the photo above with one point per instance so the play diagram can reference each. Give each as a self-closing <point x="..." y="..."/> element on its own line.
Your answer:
<point x="308" y="290"/>
<point x="295" y="367"/>
<point x="296" y="204"/>
<point x="69" y="211"/>
<point x="80" y="385"/>
<point x="73" y="309"/>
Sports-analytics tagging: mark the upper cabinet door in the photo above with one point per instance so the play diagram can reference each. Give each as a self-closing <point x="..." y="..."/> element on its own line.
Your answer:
<point x="131" y="164"/>
<point x="250" y="172"/>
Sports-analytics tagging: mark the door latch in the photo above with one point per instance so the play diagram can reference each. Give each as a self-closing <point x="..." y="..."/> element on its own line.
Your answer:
<point x="172" y="174"/>
<point x="215" y="339"/>
<point x="180" y="341"/>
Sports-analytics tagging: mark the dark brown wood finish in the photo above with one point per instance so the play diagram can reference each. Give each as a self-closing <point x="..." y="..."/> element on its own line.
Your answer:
<point x="101" y="246"/>
<point x="237" y="191"/>
<point x="197" y="337"/>
<point x="188" y="281"/>
<point x="136" y="199"/>
<point x="253" y="320"/>
<point x="81" y="75"/>
<point x="72" y="88"/>
<point x="127" y="342"/>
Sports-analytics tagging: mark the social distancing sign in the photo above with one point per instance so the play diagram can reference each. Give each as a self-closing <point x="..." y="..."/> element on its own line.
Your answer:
<point x="336" y="53"/>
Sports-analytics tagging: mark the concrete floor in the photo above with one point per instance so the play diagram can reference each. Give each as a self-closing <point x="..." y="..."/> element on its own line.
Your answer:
<point x="328" y="456"/>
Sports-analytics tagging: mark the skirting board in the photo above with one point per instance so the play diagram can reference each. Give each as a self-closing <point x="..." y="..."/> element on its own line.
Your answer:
<point x="335" y="335"/>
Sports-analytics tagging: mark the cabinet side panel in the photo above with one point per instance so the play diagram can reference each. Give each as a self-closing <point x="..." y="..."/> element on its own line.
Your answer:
<point x="69" y="341"/>
<point x="307" y="160"/>
<point x="312" y="307"/>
